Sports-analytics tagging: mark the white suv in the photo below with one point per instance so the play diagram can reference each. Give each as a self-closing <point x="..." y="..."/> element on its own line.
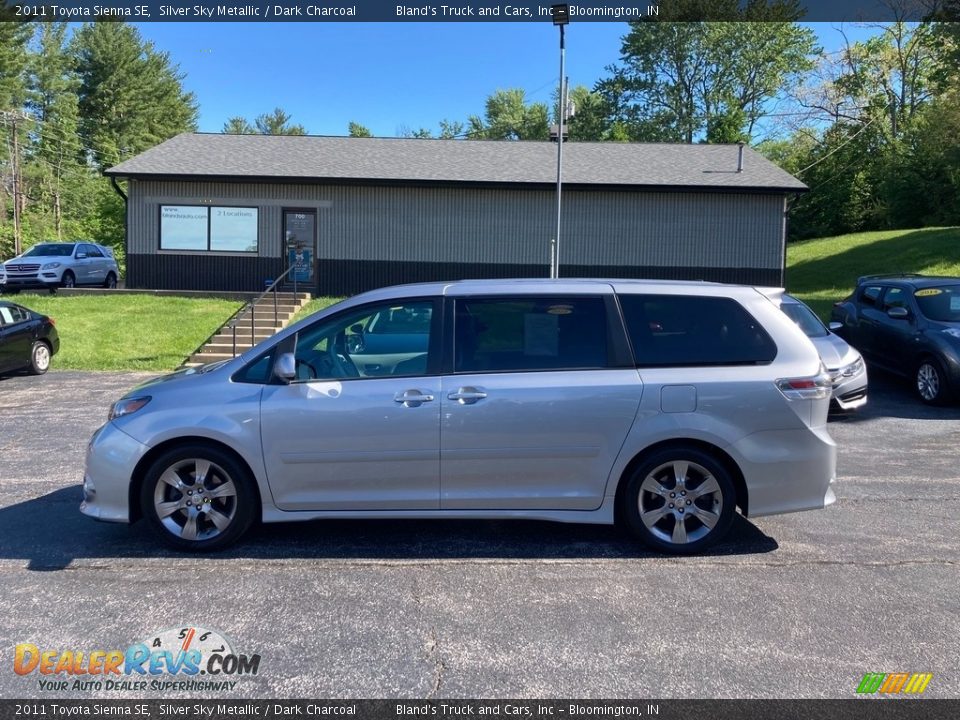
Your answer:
<point x="53" y="265"/>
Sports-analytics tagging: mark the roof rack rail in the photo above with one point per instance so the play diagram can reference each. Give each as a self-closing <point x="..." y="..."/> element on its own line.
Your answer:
<point x="886" y="276"/>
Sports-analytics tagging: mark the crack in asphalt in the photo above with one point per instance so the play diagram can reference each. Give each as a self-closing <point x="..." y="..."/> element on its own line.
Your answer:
<point x="430" y="646"/>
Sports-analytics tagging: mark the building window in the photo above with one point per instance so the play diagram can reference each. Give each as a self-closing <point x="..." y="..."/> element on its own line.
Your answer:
<point x="221" y="229"/>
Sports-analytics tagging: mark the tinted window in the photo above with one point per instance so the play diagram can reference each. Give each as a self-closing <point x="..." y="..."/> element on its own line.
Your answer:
<point x="379" y="340"/>
<point x="12" y="314"/>
<point x="92" y="251"/>
<point x="526" y="333"/>
<point x="683" y="330"/>
<point x="941" y="304"/>
<point x="805" y="319"/>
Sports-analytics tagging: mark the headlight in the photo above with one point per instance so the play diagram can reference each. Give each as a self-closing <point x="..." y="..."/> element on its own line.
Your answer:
<point x="127" y="406"/>
<point x="51" y="266"/>
<point x="953" y="332"/>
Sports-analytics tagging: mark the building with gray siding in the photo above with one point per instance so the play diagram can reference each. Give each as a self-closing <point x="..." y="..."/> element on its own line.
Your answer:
<point x="229" y="212"/>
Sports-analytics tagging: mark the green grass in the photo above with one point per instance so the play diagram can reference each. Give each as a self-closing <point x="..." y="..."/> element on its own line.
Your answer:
<point x="313" y="306"/>
<point x="822" y="271"/>
<point x="128" y="332"/>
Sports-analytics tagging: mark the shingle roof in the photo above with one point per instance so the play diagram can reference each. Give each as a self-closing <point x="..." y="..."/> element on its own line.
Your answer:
<point x="301" y="158"/>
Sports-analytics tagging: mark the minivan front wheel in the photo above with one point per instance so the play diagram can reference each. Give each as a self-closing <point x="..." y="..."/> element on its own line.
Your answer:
<point x="198" y="498"/>
<point x="680" y="500"/>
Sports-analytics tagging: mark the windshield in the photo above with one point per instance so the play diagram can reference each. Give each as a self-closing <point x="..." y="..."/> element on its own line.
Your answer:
<point x="940" y="304"/>
<point x="50" y="250"/>
<point x="805" y="319"/>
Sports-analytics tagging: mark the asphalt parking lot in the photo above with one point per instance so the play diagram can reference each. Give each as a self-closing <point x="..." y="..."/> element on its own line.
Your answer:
<point x="791" y="606"/>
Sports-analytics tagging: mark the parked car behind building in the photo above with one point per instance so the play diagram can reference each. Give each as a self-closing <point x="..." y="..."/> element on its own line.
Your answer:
<point x="54" y="265"/>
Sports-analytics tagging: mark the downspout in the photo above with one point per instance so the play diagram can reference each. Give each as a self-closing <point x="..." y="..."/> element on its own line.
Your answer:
<point x="126" y="222"/>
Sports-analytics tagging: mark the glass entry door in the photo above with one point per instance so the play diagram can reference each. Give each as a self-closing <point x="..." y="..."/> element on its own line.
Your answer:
<point x="300" y="241"/>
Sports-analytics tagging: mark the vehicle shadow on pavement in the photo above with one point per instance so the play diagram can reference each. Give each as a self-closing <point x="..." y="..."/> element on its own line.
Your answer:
<point x="49" y="532"/>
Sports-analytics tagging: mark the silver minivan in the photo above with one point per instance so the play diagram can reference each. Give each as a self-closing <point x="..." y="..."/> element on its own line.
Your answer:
<point x="662" y="405"/>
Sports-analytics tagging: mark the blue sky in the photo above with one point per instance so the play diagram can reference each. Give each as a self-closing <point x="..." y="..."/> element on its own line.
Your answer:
<point x="383" y="75"/>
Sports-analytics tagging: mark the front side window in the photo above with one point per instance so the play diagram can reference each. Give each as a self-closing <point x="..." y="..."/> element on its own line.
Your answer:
<point x="691" y="331"/>
<point x="529" y="333"/>
<point x="219" y="229"/>
<point x="384" y="340"/>
<point x="870" y="295"/>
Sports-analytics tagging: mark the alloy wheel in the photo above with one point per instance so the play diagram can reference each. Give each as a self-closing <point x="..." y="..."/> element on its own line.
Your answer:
<point x="680" y="502"/>
<point x="928" y="382"/>
<point x="41" y="357"/>
<point x="195" y="499"/>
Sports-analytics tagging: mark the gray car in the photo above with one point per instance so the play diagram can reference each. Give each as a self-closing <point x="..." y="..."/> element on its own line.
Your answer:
<point x="845" y="365"/>
<point x="664" y="405"/>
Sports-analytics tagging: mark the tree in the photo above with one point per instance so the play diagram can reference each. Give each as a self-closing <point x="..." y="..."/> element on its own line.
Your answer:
<point x="131" y="95"/>
<point x="277" y="123"/>
<point x="358" y="130"/>
<point x="451" y="129"/>
<point x="677" y="76"/>
<point x="14" y="38"/>
<point x="55" y="106"/>
<point x="508" y="117"/>
<point x="238" y="125"/>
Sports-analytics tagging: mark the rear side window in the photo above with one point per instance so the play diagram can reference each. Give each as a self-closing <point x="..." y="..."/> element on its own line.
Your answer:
<point x="529" y="333"/>
<point x="870" y="295"/>
<point x="689" y="331"/>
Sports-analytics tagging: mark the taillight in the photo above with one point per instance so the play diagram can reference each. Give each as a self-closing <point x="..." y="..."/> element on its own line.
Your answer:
<point x="815" y="387"/>
<point x="52" y="321"/>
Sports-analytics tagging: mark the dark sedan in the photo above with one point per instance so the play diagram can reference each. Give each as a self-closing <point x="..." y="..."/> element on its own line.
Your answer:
<point x="27" y="339"/>
<point x="908" y="325"/>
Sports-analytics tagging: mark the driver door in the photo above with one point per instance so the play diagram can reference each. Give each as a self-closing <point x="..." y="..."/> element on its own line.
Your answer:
<point x="359" y="427"/>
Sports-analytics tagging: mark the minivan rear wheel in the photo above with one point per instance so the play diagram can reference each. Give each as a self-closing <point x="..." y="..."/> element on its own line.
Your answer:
<point x="198" y="498"/>
<point x="680" y="500"/>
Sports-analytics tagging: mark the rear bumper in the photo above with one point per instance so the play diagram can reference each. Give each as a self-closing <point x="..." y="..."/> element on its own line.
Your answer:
<point x="787" y="470"/>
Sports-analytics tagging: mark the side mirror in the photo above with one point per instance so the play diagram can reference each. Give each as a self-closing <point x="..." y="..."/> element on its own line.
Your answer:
<point x="285" y="367"/>
<point x="898" y="313"/>
<point x="357" y="329"/>
<point x="835" y="326"/>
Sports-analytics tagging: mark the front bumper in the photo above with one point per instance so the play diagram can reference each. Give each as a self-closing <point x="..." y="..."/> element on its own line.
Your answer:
<point x="111" y="457"/>
<point x="850" y="393"/>
<point x="26" y="283"/>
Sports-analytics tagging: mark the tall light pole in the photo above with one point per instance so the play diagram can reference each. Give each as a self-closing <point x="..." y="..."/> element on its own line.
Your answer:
<point x="561" y="17"/>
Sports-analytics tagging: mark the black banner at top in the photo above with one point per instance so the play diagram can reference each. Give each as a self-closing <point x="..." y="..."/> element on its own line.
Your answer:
<point x="476" y="10"/>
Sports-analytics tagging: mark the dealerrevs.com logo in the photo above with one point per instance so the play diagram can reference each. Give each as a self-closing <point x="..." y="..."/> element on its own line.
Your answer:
<point x="179" y="659"/>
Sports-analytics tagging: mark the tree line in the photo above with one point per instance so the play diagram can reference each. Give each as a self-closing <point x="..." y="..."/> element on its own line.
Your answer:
<point x="871" y="128"/>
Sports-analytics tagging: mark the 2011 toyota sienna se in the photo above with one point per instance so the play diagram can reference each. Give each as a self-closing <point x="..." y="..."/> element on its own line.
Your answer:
<point x="664" y="405"/>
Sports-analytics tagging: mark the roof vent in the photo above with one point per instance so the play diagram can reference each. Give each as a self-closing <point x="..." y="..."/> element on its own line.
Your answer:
<point x="740" y="157"/>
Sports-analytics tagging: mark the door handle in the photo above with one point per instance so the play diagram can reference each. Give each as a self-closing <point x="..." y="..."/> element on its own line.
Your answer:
<point x="412" y="398"/>
<point x="467" y="395"/>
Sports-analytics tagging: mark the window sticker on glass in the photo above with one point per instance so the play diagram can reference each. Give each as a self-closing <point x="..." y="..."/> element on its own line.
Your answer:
<point x="955" y="303"/>
<point x="540" y="334"/>
<point x="927" y="292"/>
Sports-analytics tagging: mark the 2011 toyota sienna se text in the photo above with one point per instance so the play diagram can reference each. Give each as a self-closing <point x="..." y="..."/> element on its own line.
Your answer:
<point x="664" y="405"/>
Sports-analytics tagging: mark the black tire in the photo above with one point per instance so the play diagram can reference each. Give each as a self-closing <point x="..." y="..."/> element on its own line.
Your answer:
<point x="69" y="280"/>
<point x="676" y="504"/>
<point x="930" y="382"/>
<point x="110" y="282"/>
<point x="236" y="511"/>
<point x="39" y="358"/>
<point x="10" y="291"/>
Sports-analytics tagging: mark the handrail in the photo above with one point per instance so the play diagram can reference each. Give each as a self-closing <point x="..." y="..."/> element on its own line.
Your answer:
<point x="252" y="305"/>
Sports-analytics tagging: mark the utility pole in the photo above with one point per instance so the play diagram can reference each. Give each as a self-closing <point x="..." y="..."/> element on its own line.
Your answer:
<point x="561" y="17"/>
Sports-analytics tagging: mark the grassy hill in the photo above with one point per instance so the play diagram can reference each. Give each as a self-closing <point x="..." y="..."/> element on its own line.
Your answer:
<point x="824" y="270"/>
